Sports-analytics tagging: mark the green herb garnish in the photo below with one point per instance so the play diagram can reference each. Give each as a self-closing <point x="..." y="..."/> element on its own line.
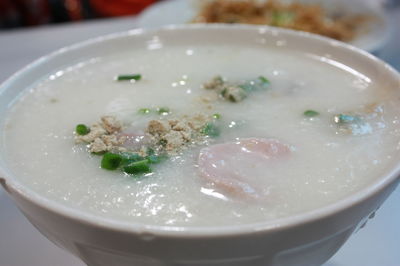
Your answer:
<point x="223" y="92"/>
<point x="216" y="116"/>
<point x="163" y="110"/>
<point x="210" y="129"/>
<point x="162" y="142"/>
<point x="343" y="119"/>
<point x="263" y="79"/>
<point x="98" y="153"/>
<point x="128" y="158"/>
<point x="138" y="167"/>
<point x="150" y="151"/>
<point x="135" y="77"/>
<point x="261" y="83"/>
<point x="111" y="161"/>
<point x="152" y="159"/>
<point x="353" y="124"/>
<point x="248" y="87"/>
<point x="144" y="111"/>
<point x="311" y="113"/>
<point x="131" y="163"/>
<point x="82" y="129"/>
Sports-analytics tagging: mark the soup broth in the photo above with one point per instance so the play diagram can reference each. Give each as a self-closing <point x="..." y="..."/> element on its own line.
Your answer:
<point x="328" y="132"/>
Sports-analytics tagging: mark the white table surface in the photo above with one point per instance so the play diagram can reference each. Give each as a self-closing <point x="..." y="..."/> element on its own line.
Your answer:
<point x="378" y="244"/>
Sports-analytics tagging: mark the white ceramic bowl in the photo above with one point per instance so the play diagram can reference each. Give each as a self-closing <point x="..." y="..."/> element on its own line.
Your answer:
<point x="306" y="239"/>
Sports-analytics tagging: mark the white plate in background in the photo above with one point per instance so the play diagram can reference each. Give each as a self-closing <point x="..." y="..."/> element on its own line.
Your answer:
<point x="374" y="34"/>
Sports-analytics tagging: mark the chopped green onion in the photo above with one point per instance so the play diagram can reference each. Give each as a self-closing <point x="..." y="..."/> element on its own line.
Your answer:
<point x="111" y="161"/>
<point x="248" y="87"/>
<point x="156" y="158"/>
<point x="163" y="142"/>
<point x="131" y="163"/>
<point x="98" y="153"/>
<point x="129" y="77"/>
<point x="82" y="129"/>
<point x="138" y="167"/>
<point x="144" y="111"/>
<point x="311" y="113"/>
<point x="342" y="118"/>
<point x="352" y="124"/>
<point x="262" y="83"/>
<point x="163" y="110"/>
<point x="150" y="151"/>
<point x="223" y="92"/>
<point x="216" y="116"/>
<point x="263" y="79"/>
<point x="211" y="130"/>
<point x="128" y="158"/>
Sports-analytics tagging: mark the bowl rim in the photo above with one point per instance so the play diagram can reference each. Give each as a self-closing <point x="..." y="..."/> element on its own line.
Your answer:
<point x="12" y="185"/>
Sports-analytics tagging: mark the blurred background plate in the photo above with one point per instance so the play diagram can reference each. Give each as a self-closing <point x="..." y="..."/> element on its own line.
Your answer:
<point x="372" y="35"/>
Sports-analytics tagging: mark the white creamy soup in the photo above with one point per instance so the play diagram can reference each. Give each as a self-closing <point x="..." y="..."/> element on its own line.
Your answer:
<point x="296" y="133"/>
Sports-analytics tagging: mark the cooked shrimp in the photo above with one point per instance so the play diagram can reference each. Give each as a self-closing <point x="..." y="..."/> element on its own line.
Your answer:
<point x="229" y="166"/>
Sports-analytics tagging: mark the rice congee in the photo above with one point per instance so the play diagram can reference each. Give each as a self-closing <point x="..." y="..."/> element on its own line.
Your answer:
<point x="202" y="135"/>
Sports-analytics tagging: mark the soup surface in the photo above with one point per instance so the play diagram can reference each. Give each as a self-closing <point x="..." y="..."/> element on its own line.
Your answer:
<point x="314" y="134"/>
